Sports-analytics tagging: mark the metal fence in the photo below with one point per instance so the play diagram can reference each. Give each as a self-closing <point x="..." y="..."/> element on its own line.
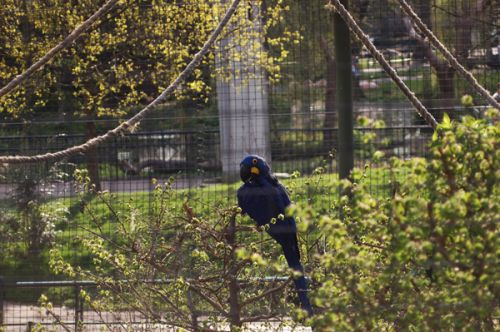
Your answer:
<point x="127" y="167"/>
<point x="129" y="163"/>
<point x="290" y="118"/>
<point x="69" y="310"/>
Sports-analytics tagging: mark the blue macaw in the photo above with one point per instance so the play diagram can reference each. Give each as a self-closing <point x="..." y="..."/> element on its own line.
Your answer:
<point x="263" y="198"/>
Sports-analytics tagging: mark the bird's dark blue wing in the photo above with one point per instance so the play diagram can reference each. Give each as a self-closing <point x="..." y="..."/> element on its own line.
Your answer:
<point x="281" y="191"/>
<point x="264" y="201"/>
<point x="284" y="201"/>
<point x="258" y="202"/>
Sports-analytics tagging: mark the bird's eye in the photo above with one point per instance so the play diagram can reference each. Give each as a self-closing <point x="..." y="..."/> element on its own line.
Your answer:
<point x="254" y="161"/>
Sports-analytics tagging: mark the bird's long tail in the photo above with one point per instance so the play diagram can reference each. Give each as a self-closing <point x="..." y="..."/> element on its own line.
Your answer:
<point x="302" y="289"/>
<point x="292" y="255"/>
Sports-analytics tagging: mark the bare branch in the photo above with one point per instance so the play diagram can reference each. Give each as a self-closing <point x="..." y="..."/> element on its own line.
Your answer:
<point x="264" y="294"/>
<point x="57" y="319"/>
<point x="214" y="304"/>
<point x="258" y="318"/>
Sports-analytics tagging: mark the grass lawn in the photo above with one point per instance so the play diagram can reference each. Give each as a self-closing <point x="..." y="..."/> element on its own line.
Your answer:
<point x="314" y="195"/>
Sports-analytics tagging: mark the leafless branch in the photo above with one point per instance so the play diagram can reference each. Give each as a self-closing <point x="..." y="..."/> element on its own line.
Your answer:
<point x="214" y="304"/>
<point x="58" y="320"/>
<point x="264" y="294"/>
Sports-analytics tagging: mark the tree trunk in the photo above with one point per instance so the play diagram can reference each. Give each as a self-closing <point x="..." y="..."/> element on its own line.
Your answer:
<point x="464" y="32"/>
<point x="445" y="76"/>
<point x="423" y="10"/>
<point x="444" y="72"/>
<point x="92" y="156"/>
<point x="234" y="306"/>
<point x="234" y="287"/>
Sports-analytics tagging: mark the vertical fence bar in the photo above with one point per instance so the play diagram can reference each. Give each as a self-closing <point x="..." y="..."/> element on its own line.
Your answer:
<point x="78" y="311"/>
<point x="343" y="99"/>
<point x="2" y="296"/>
<point x="81" y="305"/>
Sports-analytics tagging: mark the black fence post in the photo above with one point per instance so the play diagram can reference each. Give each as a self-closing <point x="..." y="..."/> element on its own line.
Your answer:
<point x="77" y="304"/>
<point x="2" y="296"/>
<point x="343" y="99"/>
<point x="78" y="308"/>
<point x="81" y="300"/>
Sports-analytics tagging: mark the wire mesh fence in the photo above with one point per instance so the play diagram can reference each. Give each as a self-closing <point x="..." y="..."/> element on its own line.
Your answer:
<point x="267" y="88"/>
<point x="69" y="310"/>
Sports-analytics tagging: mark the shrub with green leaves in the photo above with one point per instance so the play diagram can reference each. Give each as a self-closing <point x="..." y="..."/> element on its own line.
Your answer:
<point x="171" y="266"/>
<point x="425" y="258"/>
<point x="28" y="227"/>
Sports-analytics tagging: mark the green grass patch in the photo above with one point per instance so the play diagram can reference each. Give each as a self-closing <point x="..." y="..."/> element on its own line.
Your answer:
<point x="313" y="195"/>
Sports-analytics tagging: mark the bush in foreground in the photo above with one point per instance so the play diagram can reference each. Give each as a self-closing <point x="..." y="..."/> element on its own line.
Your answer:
<point x="425" y="259"/>
<point x="168" y="266"/>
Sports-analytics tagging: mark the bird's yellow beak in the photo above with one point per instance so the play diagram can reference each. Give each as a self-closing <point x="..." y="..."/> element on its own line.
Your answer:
<point x="254" y="170"/>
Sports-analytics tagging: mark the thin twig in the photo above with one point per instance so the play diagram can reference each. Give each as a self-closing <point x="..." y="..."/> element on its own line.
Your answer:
<point x="58" y="319"/>
<point x="264" y="294"/>
<point x="209" y="300"/>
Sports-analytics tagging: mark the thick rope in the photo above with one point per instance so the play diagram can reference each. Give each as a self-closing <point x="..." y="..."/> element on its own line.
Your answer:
<point x="62" y="45"/>
<point x="447" y="54"/>
<point x="126" y="127"/>
<point x="419" y="107"/>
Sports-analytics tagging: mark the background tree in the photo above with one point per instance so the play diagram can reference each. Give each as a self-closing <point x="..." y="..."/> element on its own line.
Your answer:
<point x="29" y="230"/>
<point x="458" y="23"/>
<point x="130" y="55"/>
<point x="311" y="77"/>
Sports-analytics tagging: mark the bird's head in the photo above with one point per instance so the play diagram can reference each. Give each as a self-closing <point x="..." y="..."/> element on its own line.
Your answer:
<point x="253" y="166"/>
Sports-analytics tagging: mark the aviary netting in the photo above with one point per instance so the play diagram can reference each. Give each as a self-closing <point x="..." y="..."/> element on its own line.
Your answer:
<point x="127" y="126"/>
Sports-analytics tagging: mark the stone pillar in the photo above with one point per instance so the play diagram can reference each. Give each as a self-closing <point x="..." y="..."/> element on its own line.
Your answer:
<point x="242" y="95"/>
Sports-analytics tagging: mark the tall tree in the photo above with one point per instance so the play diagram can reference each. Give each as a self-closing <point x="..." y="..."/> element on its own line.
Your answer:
<point x="129" y="56"/>
<point x="315" y="57"/>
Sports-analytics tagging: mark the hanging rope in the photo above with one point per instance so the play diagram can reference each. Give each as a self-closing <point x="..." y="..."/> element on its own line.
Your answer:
<point x="419" y="107"/>
<point x="127" y="126"/>
<point x="447" y="54"/>
<point x="62" y="45"/>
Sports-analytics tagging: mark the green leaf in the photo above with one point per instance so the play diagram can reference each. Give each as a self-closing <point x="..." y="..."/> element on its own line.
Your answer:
<point x="446" y="120"/>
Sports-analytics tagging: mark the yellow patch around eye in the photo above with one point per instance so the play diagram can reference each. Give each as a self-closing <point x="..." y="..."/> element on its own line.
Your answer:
<point x="254" y="170"/>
